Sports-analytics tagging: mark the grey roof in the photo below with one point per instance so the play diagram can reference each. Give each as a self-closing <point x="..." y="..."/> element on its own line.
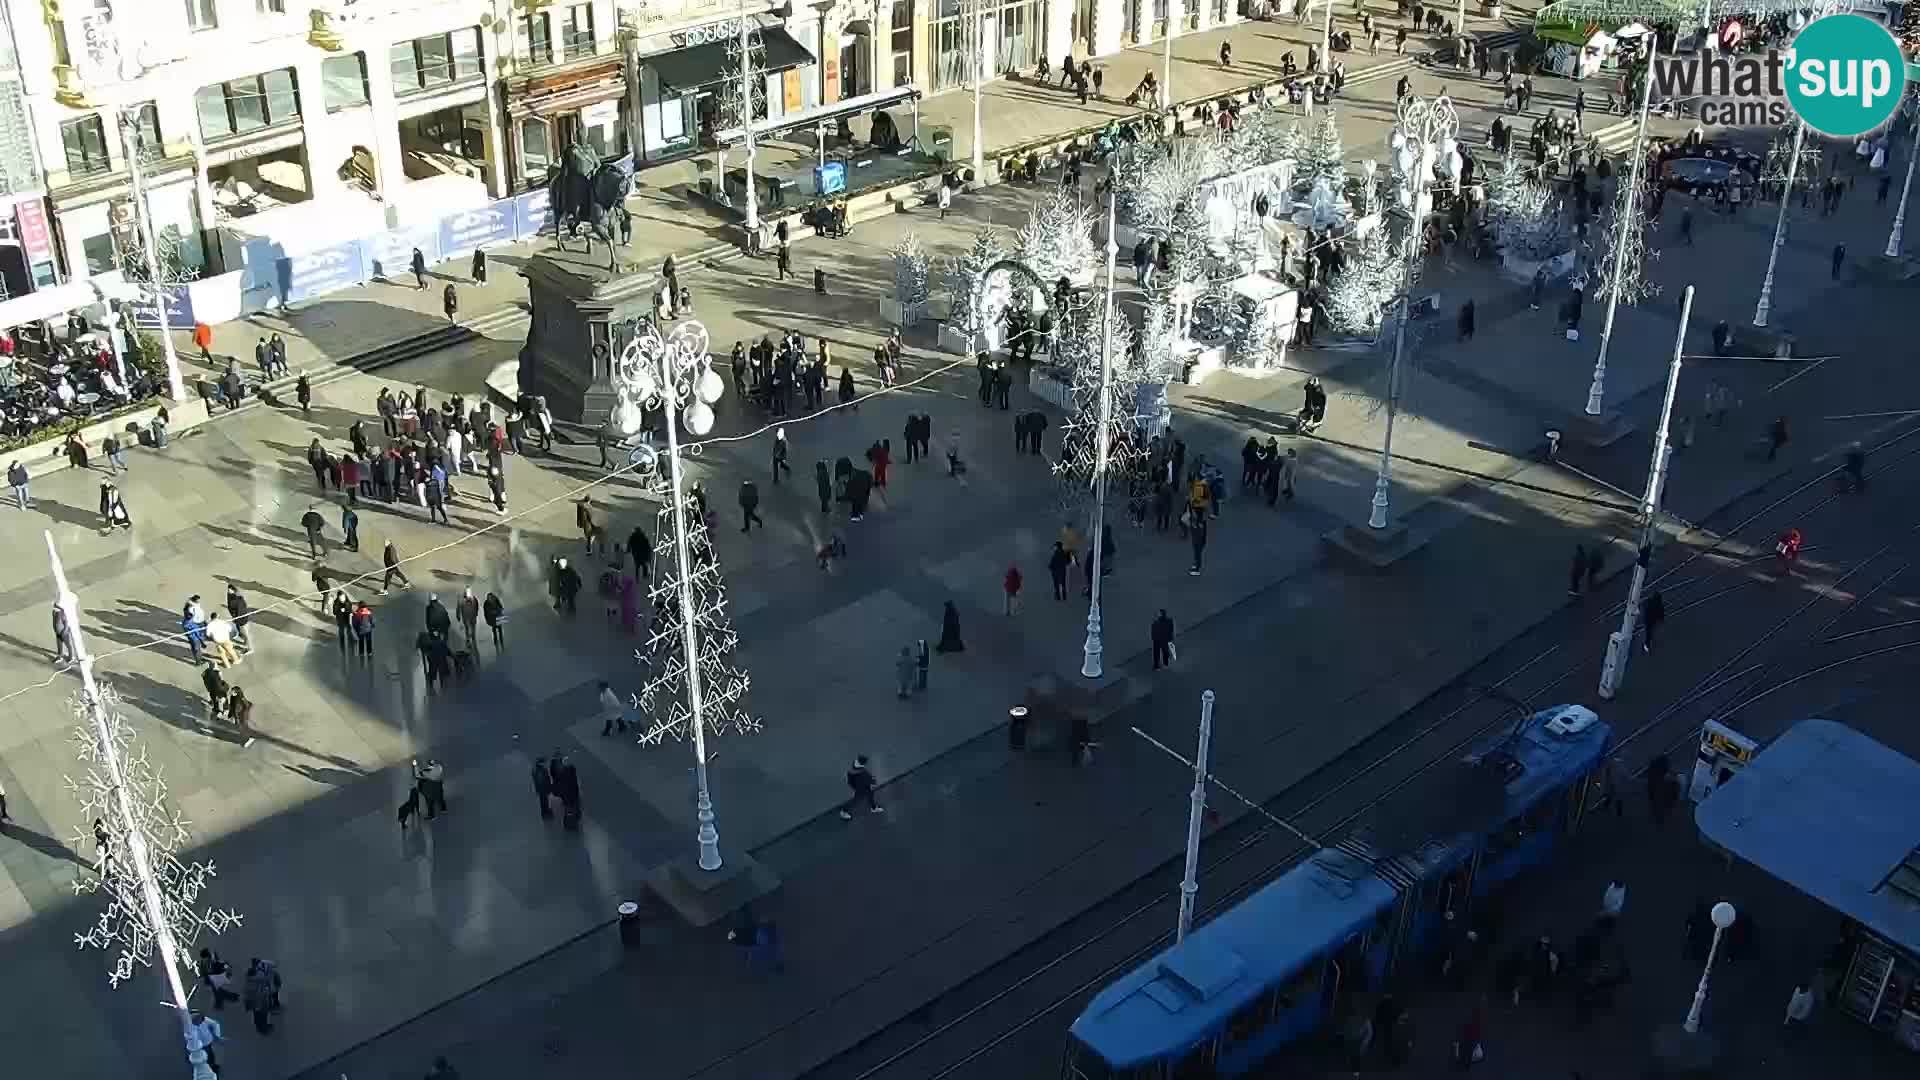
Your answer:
<point x="1836" y="815"/>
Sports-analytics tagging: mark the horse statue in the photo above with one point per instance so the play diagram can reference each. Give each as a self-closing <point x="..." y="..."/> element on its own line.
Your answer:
<point x="586" y="191"/>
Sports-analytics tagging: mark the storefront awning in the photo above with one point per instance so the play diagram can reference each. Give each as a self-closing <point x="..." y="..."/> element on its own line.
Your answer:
<point x="691" y="68"/>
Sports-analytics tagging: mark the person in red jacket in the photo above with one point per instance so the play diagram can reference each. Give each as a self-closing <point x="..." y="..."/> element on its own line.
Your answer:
<point x="203" y="339"/>
<point x="1011" y="586"/>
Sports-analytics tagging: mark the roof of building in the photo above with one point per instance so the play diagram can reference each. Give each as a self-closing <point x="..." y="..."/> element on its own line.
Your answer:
<point x="1836" y="815"/>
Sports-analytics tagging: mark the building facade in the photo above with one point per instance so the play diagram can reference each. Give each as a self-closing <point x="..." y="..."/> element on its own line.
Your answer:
<point x="256" y="121"/>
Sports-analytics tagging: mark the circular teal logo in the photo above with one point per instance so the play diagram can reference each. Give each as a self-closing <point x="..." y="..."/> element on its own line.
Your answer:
<point x="1846" y="75"/>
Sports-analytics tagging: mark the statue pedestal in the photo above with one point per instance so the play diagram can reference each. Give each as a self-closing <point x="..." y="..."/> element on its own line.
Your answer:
<point x="577" y="305"/>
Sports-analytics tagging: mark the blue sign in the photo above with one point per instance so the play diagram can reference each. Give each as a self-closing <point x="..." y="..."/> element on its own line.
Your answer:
<point x="831" y="178"/>
<point x="491" y="224"/>
<point x="390" y="254"/>
<point x="317" y="272"/>
<point x="533" y="211"/>
<point x="179" y="304"/>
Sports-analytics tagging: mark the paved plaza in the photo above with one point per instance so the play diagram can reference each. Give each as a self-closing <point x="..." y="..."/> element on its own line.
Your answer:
<point x="458" y="922"/>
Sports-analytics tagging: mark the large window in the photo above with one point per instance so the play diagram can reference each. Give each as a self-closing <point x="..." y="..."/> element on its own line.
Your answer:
<point x="536" y="148"/>
<point x="86" y="143"/>
<point x="343" y="81"/>
<point x="578" y="35"/>
<point x="434" y="61"/>
<point x="244" y="105"/>
<point x="201" y="15"/>
<point x="146" y="131"/>
<point x="536" y="39"/>
<point x="270" y="7"/>
<point x="902" y="42"/>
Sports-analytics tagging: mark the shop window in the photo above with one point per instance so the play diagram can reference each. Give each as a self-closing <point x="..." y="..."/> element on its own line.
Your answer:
<point x="343" y="81"/>
<point x="201" y="15"/>
<point x="536" y="148"/>
<point x="270" y="7"/>
<point x="86" y="144"/>
<point x="101" y="254"/>
<point x="146" y="131"/>
<point x="536" y="33"/>
<point x="434" y="61"/>
<point x="902" y="42"/>
<point x="577" y="38"/>
<point x="244" y="105"/>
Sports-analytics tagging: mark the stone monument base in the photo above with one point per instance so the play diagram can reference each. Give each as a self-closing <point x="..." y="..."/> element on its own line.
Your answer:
<point x="580" y="315"/>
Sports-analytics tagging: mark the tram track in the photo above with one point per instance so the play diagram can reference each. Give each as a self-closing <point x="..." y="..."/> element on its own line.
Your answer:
<point x="1005" y="1010"/>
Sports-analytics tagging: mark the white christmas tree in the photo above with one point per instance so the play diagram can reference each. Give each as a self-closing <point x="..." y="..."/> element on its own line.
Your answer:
<point x="1188" y="268"/>
<point x="743" y="99"/>
<point x="1261" y="137"/>
<point x="1358" y="295"/>
<point x="1321" y="157"/>
<point x="1057" y="240"/>
<point x="119" y="785"/>
<point x="1076" y="469"/>
<point x="1171" y="181"/>
<point x="1262" y="341"/>
<point x="666" y="698"/>
<point x="1524" y="215"/>
<point x="1158" y="324"/>
<point x="910" y="270"/>
<point x="963" y="274"/>
<point x="1781" y="161"/>
<point x="1626" y="247"/>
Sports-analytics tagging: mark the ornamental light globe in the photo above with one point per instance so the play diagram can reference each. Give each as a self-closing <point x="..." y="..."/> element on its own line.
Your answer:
<point x="710" y="387"/>
<point x="699" y="418"/>
<point x="627" y="417"/>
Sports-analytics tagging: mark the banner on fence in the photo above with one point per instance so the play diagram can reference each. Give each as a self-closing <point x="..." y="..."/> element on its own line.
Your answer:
<point x="179" y="309"/>
<point x="533" y="211"/>
<point x="303" y="277"/>
<point x="388" y="254"/>
<point x="495" y="223"/>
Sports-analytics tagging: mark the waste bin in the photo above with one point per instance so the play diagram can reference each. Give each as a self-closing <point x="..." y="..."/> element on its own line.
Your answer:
<point x="629" y="925"/>
<point x="1017" y="728"/>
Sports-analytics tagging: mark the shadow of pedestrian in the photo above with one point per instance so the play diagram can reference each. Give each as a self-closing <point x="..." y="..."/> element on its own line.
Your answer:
<point x="45" y="845"/>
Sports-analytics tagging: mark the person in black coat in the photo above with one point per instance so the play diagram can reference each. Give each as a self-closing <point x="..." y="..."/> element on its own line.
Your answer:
<point x="950" y="631"/>
<point x="419" y="267"/>
<point x="450" y="301"/>
<point x="1162" y="640"/>
<point x="542" y="786"/>
<point x="479" y="266"/>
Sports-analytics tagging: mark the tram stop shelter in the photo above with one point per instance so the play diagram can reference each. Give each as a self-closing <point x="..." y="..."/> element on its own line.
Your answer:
<point x="1836" y="815"/>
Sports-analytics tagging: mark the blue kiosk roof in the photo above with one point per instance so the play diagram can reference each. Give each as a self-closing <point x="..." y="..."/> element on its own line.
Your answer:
<point x="1834" y="814"/>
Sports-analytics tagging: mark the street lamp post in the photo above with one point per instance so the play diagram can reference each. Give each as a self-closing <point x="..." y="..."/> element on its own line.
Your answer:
<point x="1175" y="9"/>
<point x="746" y="122"/>
<point x="1091" y="666"/>
<point x="1897" y="238"/>
<point x="676" y="373"/>
<point x="1613" y="670"/>
<point x="159" y="921"/>
<point x="1425" y="134"/>
<point x="1596" y="393"/>
<point x="1723" y="916"/>
<point x="1196" y="816"/>
<point x="1761" y="310"/>
<point x="979" y="82"/>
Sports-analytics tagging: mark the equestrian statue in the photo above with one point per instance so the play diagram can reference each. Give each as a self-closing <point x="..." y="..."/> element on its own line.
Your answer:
<point x="585" y="191"/>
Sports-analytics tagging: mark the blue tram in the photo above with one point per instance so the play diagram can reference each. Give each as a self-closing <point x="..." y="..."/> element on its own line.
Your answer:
<point x="1271" y="970"/>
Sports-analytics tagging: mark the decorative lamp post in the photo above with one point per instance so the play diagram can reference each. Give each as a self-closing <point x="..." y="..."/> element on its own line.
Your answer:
<point x="1897" y="238"/>
<point x="1613" y="668"/>
<point x="1761" y="310"/>
<point x="1196" y="816"/>
<point x="1175" y="9"/>
<point x="675" y="374"/>
<point x="1091" y="667"/>
<point x="152" y="891"/>
<point x="979" y="83"/>
<point x="1422" y="140"/>
<point x="1625" y="246"/>
<point x="1723" y="917"/>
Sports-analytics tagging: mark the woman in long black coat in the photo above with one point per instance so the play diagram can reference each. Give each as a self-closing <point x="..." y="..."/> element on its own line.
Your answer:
<point x="950" y="631"/>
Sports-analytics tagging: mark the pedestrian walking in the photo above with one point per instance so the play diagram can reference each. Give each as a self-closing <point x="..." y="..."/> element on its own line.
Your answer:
<point x="350" y="524"/>
<point x="342" y="619"/>
<point x="823" y="486"/>
<point x="780" y="455"/>
<point x="1686" y="227"/>
<point x="783" y="262"/>
<point x="430" y="781"/>
<point x="903" y="673"/>
<point x="496" y="616"/>
<point x="390" y="559"/>
<point x="479" y="266"/>
<point x="950" y="641"/>
<point x="207" y="1033"/>
<point x="63" y="637"/>
<point x="1197" y="535"/>
<point x="1162" y="635"/>
<point x="1010" y="588"/>
<point x="220" y="636"/>
<point x="613" y="711"/>
<point x="1578" y="572"/>
<point x="1057" y="565"/>
<point x="450" y="302"/>
<point x="566" y="787"/>
<point x="860" y="781"/>
<point x="1776" y="436"/>
<point x="1466" y="321"/>
<point x="261" y="994"/>
<point x="1653" y="612"/>
<point x="418" y="264"/>
<point x="216" y="691"/>
<point x="20" y="481"/>
<point x="542" y="786"/>
<point x="749" y="506"/>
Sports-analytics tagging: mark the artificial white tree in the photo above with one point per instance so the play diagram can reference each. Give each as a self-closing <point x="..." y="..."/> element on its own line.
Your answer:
<point x="1780" y="166"/>
<point x="963" y="274"/>
<point x="911" y="266"/>
<point x="1321" y="157"/>
<point x="1358" y="295"/>
<point x="1057" y="240"/>
<point x="1170" y="181"/>
<point x="665" y="697"/>
<point x="1625" y="248"/>
<point x="1076" y="468"/>
<point x="1524" y="215"/>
